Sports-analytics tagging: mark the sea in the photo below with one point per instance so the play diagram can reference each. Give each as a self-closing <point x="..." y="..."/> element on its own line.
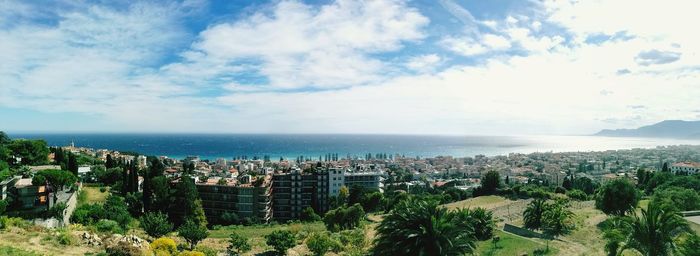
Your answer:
<point x="290" y="146"/>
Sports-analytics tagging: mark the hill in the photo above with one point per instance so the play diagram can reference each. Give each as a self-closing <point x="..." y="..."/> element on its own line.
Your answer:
<point x="678" y="129"/>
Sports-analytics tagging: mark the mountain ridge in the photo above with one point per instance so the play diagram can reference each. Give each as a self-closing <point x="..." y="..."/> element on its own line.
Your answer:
<point x="678" y="129"/>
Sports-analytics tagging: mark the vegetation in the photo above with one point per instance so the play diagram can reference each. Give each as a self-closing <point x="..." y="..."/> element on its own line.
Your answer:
<point x="344" y="218"/>
<point x="193" y="233"/>
<point x="238" y="244"/>
<point x="617" y="197"/>
<point x="654" y="231"/>
<point x="418" y="227"/>
<point x="156" y="224"/>
<point x="321" y="242"/>
<point x="281" y="241"/>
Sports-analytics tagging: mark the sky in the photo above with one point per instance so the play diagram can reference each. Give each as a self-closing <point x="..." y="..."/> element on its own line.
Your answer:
<point x="507" y="67"/>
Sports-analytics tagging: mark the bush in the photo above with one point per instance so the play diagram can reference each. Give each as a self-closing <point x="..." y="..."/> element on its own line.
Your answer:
<point x="103" y="190"/>
<point x="8" y="222"/>
<point x="206" y="250"/>
<point x="191" y="253"/>
<point x="308" y="214"/>
<point x="110" y="226"/>
<point x="344" y="218"/>
<point x="577" y="195"/>
<point x="66" y="238"/>
<point x="238" y="244"/>
<point x="164" y="247"/>
<point x="87" y="214"/>
<point x="156" y="224"/>
<point x="320" y="242"/>
<point x="281" y="241"/>
<point x="229" y="218"/>
<point x="123" y="248"/>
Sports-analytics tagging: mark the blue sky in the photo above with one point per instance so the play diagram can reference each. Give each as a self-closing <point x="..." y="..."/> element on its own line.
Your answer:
<point x="407" y="67"/>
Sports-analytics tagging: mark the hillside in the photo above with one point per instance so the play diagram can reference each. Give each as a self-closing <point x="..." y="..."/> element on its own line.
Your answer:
<point x="678" y="129"/>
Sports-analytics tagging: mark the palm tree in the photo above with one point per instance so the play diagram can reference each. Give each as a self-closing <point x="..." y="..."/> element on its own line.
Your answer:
<point x="532" y="216"/>
<point x="557" y="220"/>
<point x="654" y="232"/>
<point x="418" y="227"/>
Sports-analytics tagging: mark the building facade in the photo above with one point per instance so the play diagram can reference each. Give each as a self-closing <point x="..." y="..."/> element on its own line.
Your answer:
<point x="686" y="167"/>
<point x="244" y="199"/>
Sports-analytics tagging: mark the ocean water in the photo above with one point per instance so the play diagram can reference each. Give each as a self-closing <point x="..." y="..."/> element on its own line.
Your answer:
<point x="212" y="146"/>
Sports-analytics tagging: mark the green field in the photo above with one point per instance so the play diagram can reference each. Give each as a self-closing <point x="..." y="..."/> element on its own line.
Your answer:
<point x="487" y="202"/>
<point x="510" y="244"/>
<point x="89" y="195"/>
<point x="12" y="251"/>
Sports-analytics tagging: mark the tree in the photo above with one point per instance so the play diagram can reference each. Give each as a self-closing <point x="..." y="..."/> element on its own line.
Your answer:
<point x="109" y="163"/>
<point x="115" y="208"/>
<point x="532" y="216"/>
<point x="32" y="152"/>
<point x="320" y="242"/>
<point x="281" y="241"/>
<point x="185" y="197"/>
<point x="3" y="206"/>
<point x="193" y="233"/>
<point x="617" y="197"/>
<point x="491" y="182"/>
<point x="654" y="232"/>
<point x="229" y="218"/>
<point x="56" y="178"/>
<point x="557" y="220"/>
<point x="72" y="164"/>
<point x="567" y="184"/>
<point x="134" y="202"/>
<point x="308" y="214"/>
<point x="690" y="246"/>
<point x="343" y="218"/>
<point x="372" y="201"/>
<point x="677" y="198"/>
<point x="421" y="227"/>
<point x="156" y="224"/>
<point x="162" y="196"/>
<point x="343" y="194"/>
<point x="237" y="245"/>
<point x="483" y="223"/>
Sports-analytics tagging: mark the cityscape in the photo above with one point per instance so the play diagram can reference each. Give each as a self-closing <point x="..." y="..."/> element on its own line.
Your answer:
<point x="349" y="128"/>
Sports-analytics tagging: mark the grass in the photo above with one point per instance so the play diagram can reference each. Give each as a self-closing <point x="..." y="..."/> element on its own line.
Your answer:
<point x="511" y="244"/>
<point x="487" y="202"/>
<point x="218" y="239"/>
<point x="12" y="251"/>
<point x="89" y="195"/>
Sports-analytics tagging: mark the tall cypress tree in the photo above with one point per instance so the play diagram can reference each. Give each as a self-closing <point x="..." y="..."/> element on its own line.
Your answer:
<point x="73" y="164"/>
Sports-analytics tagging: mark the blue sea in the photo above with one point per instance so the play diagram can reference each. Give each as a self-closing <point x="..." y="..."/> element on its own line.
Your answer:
<point x="212" y="146"/>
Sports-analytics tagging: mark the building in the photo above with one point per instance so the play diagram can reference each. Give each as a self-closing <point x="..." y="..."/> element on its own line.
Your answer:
<point x="686" y="167"/>
<point x="369" y="179"/>
<point x="296" y="190"/>
<point x="30" y="198"/>
<point x="336" y="180"/>
<point x="240" y="196"/>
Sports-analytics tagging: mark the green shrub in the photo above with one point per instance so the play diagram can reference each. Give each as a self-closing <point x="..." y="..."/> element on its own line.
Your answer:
<point x="103" y="189"/>
<point x="109" y="226"/>
<point x="64" y="237"/>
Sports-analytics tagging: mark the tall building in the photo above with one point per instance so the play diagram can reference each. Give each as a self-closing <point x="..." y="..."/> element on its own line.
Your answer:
<point x="239" y="196"/>
<point x="295" y="190"/>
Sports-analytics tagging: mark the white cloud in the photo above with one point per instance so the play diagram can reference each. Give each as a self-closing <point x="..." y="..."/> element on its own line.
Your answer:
<point x="302" y="46"/>
<point x="424" y="63"/>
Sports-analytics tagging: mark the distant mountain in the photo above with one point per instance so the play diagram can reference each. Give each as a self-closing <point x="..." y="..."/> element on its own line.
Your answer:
<point x="678" y="129"/>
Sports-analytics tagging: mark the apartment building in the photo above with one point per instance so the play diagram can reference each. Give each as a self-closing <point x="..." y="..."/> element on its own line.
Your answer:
<point x="245" y="198"/>
<point x="295" y="190"/>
